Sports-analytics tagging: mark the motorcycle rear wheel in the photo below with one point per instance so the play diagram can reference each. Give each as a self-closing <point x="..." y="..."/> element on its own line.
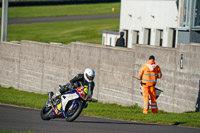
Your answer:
<point x="44" y="113"/>
<point x="71" y="115"/>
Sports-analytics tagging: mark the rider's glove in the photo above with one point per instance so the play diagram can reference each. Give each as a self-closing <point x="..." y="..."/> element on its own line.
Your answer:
<point x="66" y="87"/>
<point x="70" y="86"/>
<point x="63" y="89"/>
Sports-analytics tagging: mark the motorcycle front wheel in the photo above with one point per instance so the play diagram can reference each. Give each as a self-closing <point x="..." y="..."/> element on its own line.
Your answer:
<point x="45" y="112"/>
<point x="74" y="110"/>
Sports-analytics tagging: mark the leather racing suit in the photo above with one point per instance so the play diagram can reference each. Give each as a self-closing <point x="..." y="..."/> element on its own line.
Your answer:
<point x="78" y="81"/>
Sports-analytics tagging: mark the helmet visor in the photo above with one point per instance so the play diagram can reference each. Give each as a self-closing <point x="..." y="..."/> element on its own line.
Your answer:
<point x="89" y="77"/>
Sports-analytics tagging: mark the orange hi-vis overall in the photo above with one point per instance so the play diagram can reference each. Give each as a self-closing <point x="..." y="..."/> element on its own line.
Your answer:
<point x="148" y="75"/>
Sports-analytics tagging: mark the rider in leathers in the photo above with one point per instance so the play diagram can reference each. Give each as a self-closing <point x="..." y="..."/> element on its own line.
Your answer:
<point x="85" y="80"/>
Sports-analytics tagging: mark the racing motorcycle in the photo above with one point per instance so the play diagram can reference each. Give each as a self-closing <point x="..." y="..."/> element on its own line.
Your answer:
<point x="69" y="105"/>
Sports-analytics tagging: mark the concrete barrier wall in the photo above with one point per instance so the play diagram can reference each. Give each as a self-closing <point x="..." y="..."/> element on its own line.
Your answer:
<point x="115" y="79"/>
<point x="187" y="81"/>
<point x="9" y="64"/>
<point x="39" y="67"/>
<point x="56" y="67"/>
<point x="33" y="66"/>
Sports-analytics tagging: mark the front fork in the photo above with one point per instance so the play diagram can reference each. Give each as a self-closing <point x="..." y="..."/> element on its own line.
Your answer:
<point x="50" y="94"/>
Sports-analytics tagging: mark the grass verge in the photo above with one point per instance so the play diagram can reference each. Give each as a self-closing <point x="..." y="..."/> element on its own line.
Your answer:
<point x="62" y="10"/>
<point x="132" y="113"/>
<point x="22" y="98"/>
<point x="64" y="32"/>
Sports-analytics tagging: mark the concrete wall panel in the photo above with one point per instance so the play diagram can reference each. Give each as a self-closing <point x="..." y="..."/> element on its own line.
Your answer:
<point x="9" y="64"/>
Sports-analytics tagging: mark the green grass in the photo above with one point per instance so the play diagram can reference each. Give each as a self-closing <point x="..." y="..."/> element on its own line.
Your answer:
<point x="62" y="10"/>
<point x="64" y="32"/>
<point x="22" y="98"/>
<point x="132" y="113"/>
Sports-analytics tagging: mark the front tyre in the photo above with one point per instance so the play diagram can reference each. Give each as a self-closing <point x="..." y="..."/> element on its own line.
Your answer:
<point x="74" y="110"/>
<point x="45" y="112"/>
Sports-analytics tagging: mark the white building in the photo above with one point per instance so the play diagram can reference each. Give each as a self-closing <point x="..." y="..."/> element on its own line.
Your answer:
<point x="159" y="22"/>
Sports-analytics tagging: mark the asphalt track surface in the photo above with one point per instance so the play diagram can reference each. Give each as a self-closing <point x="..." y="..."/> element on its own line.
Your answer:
<point x="25" y="119"/>
<point x="61" y="19"/>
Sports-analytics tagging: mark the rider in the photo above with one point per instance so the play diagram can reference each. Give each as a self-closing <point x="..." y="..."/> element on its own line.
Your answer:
<point x="85" y="80"/>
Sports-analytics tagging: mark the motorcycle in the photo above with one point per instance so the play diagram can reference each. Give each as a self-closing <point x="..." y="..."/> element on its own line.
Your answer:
<point x="69" y="105"/>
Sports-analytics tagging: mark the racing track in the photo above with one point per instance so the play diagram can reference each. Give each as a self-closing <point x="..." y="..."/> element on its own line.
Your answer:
<point x="60" y="18"/>
<point x="25" y="119"/>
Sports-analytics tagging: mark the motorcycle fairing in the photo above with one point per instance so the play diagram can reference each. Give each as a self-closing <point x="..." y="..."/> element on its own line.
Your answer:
<point x="80" y="92"/>
<point x="67" y="97"/>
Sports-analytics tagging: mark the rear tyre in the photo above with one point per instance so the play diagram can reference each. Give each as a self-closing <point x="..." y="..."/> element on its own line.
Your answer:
<point x="45" y="112"/>
<point x="72" y="113"/>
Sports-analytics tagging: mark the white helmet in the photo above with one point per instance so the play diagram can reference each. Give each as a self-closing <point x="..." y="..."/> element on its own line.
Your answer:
<point x="89" y="74"/>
